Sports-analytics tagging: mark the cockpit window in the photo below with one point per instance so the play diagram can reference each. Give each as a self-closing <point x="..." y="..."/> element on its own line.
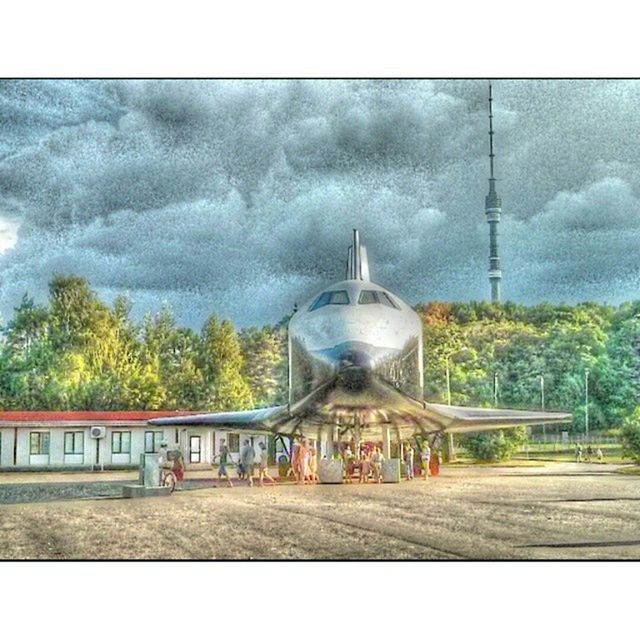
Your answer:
<point x="368" y="297"/>
<point x="385" y="298"/>
<point x="377" y="297"/>
<point x="330" y="297"/>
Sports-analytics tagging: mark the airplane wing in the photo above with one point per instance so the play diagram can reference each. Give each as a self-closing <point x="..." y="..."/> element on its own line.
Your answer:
<point x="462" y="419"/>
<point x="253" y="419"/>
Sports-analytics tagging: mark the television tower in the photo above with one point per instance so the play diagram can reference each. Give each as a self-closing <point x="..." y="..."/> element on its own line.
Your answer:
<point x="493" y="210"/>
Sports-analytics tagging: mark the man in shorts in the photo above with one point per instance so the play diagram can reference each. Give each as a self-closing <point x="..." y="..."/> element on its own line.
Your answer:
<point x="224" y="459"/>
<point x="247" y="458"/>
<point x="263" y="468"/>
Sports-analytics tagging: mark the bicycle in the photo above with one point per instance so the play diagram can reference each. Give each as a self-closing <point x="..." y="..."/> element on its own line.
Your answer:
<point x="168" y="479"/>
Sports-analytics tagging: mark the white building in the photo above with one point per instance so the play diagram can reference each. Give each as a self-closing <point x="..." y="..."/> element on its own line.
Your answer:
<point x="48" y="440"/>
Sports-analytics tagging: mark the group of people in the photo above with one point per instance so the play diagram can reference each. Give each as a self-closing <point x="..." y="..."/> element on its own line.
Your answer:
<point x="588" y="454"/>
<point x="303" y="463"/>
<point x="368" y="464"/>
<point x="429" y="461"/>
<point x="246" y="464"/>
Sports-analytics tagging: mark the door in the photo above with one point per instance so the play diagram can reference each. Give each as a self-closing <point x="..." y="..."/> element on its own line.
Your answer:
<point x="194" y="449"/>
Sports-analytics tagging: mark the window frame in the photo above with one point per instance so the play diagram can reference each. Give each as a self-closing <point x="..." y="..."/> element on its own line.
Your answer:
<point x="380" y="297"/>
<point x="319" y="304"/>
<point x="231" y="436"/>
<point x="155" y="445"/>
<point x="41" y="440"/>
<point x="120" y="440"/>
<point x="75" y="435"/>
<point x="376" y="297"/>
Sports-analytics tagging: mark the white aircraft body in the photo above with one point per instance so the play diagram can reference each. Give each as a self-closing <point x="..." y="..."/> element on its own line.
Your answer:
<point x="356" y="369"/>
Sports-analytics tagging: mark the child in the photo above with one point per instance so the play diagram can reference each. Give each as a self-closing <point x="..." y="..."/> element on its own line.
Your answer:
<point x="313" y="466"/>
<point x="365" y="467"/>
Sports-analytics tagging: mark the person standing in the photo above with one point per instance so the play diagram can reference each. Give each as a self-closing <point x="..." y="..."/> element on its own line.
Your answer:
<point x="376" y="464"/>
<point x="599" y="454"/>
<point x="223" y="461"/>
<point x="408" y="461"/>
<point x="313" y="465"/>
<point x="425" y="457"/>
<point x="578" y="452"/>
<point x="263" y="465"/>
<point x="294" y="467"/>
<point x="247" y="458"/>
<point x="348" y="458"/>
<point x="365" y="466"/>
<point x="178" y="466"/>
<point x="303" y="461"/>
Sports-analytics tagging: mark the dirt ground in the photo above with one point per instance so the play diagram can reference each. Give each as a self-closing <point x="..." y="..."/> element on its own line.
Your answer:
<point x="560" y="510"/>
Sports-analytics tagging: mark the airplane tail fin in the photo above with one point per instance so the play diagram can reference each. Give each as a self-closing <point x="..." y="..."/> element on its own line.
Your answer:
<point x="357" y="261"/>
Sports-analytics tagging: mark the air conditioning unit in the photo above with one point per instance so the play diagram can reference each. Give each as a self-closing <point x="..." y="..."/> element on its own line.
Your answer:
<point x="98" y="432"/>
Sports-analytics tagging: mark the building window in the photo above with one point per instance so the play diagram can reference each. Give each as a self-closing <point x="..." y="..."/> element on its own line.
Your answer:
<point x="234" y="442"/>
<point x="194" y="449"/>
<point x="152" y="441"/>
<point x="73" y="442"/>
<point x="39" y="443"/>
<point x="121" y="442"/>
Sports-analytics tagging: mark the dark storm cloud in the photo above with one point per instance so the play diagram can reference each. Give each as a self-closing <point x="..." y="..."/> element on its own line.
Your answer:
<point x="239" y="197"/>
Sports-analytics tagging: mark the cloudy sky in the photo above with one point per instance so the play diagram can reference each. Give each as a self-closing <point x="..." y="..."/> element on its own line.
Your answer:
<point x="239" y="197"/>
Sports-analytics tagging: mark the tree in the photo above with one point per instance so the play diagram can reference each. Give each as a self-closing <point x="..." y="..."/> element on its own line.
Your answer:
<point x="630" y="437"/>
<point x="495" y="445"/>
<point x="221" y="363"/>
<point x="262" y="350"/>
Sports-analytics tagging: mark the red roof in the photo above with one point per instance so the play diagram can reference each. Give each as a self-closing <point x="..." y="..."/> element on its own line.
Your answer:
<point x="87" y="416"/>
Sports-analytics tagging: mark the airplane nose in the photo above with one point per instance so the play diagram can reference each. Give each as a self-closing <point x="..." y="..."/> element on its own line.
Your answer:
<point x="356" y="358"/>
<point x="355" y="368"/>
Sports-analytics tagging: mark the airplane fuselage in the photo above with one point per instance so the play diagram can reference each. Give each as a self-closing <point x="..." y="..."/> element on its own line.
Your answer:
<point x="353" y="336"/>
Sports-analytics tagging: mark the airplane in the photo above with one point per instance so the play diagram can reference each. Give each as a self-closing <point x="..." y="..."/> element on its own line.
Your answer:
<point x="356" y="371"/>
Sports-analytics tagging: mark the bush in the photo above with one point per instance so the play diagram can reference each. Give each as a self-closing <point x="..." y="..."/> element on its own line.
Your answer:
<point x="495" y="445"/>
<point x="630" y="437"/>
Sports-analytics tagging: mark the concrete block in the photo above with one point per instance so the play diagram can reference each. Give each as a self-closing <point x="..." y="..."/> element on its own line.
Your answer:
<point x="330" y="471"/>
<point x="140" y="491"/>
<point x="151" y="475"/>
<point x="391" y="470"/>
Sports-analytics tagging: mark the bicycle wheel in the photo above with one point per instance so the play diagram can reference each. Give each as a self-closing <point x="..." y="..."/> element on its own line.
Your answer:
<point x="169" y="480"/>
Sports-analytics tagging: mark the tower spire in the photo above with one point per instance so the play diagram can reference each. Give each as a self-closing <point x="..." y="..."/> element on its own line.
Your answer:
<point x="493" y="211"/>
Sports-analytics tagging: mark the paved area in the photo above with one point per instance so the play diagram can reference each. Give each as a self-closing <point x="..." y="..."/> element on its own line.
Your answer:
<point x="561" y="510"/>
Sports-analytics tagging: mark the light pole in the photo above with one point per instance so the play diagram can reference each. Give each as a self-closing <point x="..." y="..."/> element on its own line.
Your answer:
<point x="452" y="452"/>
<point x="586" y="402"/>
<point x="495" y="389"/>
<point x="544" y="434"/>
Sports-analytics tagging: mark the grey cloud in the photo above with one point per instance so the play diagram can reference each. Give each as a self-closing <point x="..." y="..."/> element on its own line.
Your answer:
<point x="240" y="197"/>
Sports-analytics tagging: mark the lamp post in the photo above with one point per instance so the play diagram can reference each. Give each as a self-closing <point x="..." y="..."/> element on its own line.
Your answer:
<point x="452" y="451"/>
<point x="495" y="389"/>
<point x="447" y="358"/>
<point x="586" y="402"/>
<point x="544" y="434"/>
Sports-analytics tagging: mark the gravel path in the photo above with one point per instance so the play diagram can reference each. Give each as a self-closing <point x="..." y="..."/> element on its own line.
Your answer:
<point x="29" y="492"/>
<point x="560" y="510"/>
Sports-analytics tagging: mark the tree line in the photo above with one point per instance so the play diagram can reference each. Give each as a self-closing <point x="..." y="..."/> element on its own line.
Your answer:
<point x="77" y="353"/>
